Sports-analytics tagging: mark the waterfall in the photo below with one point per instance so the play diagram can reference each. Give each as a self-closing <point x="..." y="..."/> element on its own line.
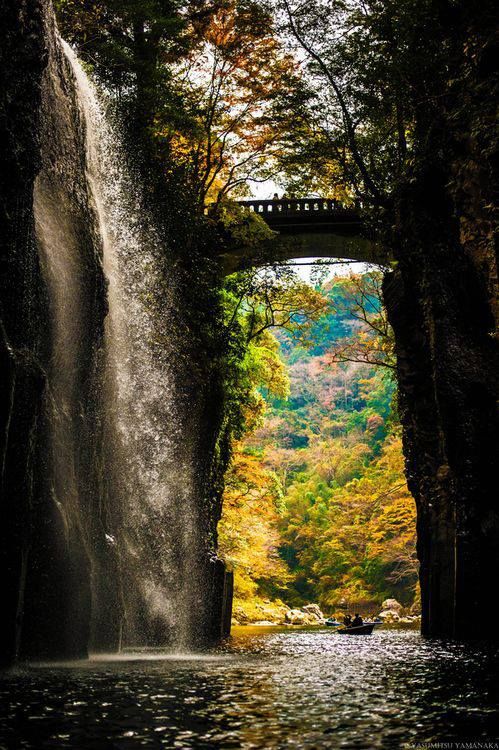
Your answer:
<point x="142" y="552"/>
<point x="151" y="483"/>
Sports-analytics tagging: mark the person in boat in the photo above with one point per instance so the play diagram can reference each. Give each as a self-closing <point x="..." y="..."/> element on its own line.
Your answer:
<point x="357" y="621"/>
<point x="347" y="621"/>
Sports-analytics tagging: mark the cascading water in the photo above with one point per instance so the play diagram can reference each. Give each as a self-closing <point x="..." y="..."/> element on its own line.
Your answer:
<point x="151" y="483"/>
<point x="142" y="553"/>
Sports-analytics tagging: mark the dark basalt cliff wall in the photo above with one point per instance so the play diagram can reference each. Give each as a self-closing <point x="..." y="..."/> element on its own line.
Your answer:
<point x="23" y="302"/>
<point x="442" y="303"/>
<point x="52" y="312"/>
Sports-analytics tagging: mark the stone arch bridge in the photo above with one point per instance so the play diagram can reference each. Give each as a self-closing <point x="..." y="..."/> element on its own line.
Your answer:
<point x="307" y="228"/>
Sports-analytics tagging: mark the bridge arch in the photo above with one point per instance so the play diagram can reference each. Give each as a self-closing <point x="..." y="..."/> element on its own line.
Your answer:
<point x="305" y="228"/>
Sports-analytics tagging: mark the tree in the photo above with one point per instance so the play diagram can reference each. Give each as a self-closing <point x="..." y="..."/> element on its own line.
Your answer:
<point x="202" y="84"/>
<point x="233" y="82"/>
<point x="131" y="46"/>
<point x="372" y="343"/>
<point x="274" y="297"/>
<point x="356" y="125"/>
<point x="248" y="533"/>
<point x="346" y="526"/>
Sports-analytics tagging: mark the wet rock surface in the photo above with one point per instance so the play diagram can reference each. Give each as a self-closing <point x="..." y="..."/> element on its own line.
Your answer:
<point x="22" y="298"/>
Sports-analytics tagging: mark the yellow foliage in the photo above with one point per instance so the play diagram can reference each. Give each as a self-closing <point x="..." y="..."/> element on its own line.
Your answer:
<point x="248" y="533"/>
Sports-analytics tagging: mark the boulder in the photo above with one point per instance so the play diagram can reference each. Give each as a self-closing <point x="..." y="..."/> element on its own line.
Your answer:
<point x="265" y="623"/>
<point x="240" y="616"/>
<point x="295" y="617"/>
<point x="392" y="604"/>
<point x="389" y="615"/>
<point x="314" y="610"/>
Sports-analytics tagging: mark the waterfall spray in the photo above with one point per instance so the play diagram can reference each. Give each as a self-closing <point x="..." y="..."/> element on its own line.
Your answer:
<point x="151" y="526"/>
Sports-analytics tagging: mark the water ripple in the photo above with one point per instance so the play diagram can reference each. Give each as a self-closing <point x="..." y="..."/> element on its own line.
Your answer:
<point x="265" y="688"/>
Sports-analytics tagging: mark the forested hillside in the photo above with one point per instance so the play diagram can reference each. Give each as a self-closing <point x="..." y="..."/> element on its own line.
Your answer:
<point x="316" y="507"/>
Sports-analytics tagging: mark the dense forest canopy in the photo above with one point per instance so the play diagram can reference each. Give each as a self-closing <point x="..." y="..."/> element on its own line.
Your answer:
<point x="205" y="83"/>
<point x="321" y="96"/>
<point x="325" y="95"/>
<point x="316" y="504"/>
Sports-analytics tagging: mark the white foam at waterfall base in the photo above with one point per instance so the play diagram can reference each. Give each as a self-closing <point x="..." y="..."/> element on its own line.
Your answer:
<point x="155" y="487"/>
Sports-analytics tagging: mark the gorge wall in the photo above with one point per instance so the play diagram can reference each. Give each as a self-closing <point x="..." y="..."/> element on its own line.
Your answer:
<point x="442" y="303"/>
<point x="24" y="344"/>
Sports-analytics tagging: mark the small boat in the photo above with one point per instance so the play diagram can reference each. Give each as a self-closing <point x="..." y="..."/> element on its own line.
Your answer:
<point x="331" y="622"/>
<point x="365" y="629"/>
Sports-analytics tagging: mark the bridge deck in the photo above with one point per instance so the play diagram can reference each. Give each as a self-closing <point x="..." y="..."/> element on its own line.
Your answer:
<point x="293" y="215"/>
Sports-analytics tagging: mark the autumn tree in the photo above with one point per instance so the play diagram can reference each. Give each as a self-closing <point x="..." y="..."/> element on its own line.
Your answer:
<point x="355" y="128"/>
<point x="249" y="538"/>
<point x="372" y="341"/>
<point x="274" y="297"/>
<point x="346" y="522"/>
<point x="234" y="84"/>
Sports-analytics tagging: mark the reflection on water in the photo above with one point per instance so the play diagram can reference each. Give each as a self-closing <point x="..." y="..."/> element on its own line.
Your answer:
<point x="266" y="688"/>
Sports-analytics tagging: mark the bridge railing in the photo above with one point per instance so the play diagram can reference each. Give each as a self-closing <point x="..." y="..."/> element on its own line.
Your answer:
<point x="296" y="206"/>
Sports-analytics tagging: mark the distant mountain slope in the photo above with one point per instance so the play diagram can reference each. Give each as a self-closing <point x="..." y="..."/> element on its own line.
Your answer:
<point x="339" y="516"/>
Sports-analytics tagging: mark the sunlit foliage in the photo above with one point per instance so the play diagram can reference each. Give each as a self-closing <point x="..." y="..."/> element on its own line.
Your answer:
<point x="234" y="81"/>
<point x="345" y="520"/>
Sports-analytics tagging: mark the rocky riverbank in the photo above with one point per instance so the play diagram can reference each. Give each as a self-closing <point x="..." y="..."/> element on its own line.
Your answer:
<point x="277" y="613"/>
<point x="269" y="613"/>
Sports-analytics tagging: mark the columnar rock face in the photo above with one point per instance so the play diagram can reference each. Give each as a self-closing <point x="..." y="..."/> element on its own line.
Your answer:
<point x="53" y="307"/>
<point x="442" y="303"/>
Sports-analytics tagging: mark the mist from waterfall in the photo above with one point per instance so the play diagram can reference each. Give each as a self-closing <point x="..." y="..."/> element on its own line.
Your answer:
<point x="150" y="527"/>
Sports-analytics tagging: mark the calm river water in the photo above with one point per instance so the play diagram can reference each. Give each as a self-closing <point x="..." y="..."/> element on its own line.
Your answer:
<point x="266" y="688"/>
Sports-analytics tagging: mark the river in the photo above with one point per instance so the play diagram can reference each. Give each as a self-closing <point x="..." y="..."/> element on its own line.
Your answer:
<point x="264" y="688"/>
